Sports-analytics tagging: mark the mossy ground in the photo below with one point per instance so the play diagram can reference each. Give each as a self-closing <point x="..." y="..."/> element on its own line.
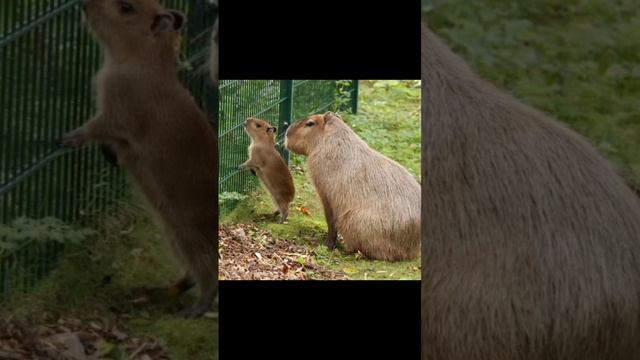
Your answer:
<point x="95" y="281"/>
<point x="389" y="121"/>
<point x="576" y="60"/>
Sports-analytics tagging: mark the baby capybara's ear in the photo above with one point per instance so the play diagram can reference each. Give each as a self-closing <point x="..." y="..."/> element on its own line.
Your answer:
<point x="179" y="19"/>
<point x="172" y="19"/>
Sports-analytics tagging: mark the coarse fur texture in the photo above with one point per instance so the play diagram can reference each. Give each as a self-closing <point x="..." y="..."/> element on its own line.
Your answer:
<point x="157" y="131"/>
<point x="268" y="165"/>
<point x="531" y="241"/>
<point x="371" y="200"/>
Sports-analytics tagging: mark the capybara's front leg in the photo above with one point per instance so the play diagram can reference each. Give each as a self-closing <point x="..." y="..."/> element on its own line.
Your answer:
<point x="93" y="130"/>
<point x="247" y="165"/>
<point x="332" y="235"/>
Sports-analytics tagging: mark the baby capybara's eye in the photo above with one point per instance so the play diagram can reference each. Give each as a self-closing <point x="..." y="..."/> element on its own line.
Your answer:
<point x="126" y="7"/>
<point x="309" y="124"/>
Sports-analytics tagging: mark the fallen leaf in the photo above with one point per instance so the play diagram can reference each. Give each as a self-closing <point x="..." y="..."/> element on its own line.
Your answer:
<point x="350" y="270"/>
<point x="118" y="334"/>
<point x="104" y="347"/>
<point x="239" y="233"/>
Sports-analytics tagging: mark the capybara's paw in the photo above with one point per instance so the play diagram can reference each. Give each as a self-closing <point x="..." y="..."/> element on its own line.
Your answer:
<point x="73" y="140"/>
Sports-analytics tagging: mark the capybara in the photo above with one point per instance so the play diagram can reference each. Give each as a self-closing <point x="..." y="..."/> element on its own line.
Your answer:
<point x="369" y="199"/>
<point x="531" y="241"/>
<point x="268" y="165"/>
<point x="157" y="131"/>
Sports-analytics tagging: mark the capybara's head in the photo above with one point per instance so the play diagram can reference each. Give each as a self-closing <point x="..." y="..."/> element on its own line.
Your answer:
<point x="130" y="25"/>
<point x="303" y="136"/>
<point x="260" y="130"/>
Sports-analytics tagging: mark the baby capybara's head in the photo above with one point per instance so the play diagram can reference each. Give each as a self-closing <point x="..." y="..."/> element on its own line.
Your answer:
<point x="260" y="130"/>
<point x="303" y="136"/>
<point x="129" y="25"/>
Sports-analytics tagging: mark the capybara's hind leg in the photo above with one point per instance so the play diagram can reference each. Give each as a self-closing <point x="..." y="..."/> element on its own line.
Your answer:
<point x="200" y="253"/>
<point x="208" y="290"/>
<point x="283" y="210"/>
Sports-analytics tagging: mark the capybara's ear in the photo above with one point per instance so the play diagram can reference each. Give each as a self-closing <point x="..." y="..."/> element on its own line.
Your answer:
<point x="272" y="130"/>
<point x="179" y="19"/>
<point x="329" y="117"/>
<point x="172" y="19"/>
<point x="162" y="22"/>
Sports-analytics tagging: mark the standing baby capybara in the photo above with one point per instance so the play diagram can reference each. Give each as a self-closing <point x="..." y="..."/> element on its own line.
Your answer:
<point x="369" y="199"/>
<point x="157" y="131"/>
<point x="268" y="165"/>
<point x="531" y="241"/>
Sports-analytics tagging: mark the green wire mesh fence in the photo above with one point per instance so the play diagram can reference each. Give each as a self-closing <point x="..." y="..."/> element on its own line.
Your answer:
<point x="280" y="102"/>
<point x="47" y="62"/>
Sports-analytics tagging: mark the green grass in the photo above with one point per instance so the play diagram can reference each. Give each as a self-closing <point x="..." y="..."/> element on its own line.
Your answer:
<point x="389" y="121"/>
<point x="578" y="60"/>
<point x="95" y="279"/>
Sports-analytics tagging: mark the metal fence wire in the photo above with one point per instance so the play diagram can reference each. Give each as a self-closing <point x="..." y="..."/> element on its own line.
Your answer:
<point x="47" y="62"/>
<point x="280" y="102"/>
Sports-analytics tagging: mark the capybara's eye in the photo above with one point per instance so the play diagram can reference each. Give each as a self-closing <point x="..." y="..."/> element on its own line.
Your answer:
<point x="258" y="125"/>
<point x="126" y="7"/>
<point x="309" y="124"/>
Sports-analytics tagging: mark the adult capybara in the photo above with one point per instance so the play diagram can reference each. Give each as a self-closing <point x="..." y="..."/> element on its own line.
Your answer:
<point x="371" y="200"/>
<point x="268" y="165"/>
<point x="531" y="241"/>
<point x="157" y="131"/>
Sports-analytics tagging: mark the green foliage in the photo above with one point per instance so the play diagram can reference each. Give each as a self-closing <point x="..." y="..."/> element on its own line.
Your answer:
<point x="97" y="278"/>
<point x="230" y="196"/>
<point x="343" y="95"/>
<point x="578" y="60"/>
<point x="24" y="231"/>
<point x="389" y="120"/>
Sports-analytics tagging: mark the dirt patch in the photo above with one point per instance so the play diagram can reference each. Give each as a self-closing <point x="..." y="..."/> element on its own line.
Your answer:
<point x="250" y="253"/>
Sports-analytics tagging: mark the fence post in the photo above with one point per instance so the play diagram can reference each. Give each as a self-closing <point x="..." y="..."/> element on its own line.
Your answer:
<point x="286" y="111"/>
<point x="354" y="96"/>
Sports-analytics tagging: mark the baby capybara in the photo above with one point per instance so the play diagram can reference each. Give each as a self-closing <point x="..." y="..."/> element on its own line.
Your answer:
<point x="268" y="165"/>
<point x="157" y="131"/>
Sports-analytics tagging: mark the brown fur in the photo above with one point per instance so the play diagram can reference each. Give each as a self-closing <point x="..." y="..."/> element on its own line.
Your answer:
<point x="267" y="163"/>
<point x="531" y="241"/>
<point x="371" y="200"/>
<point x="157" y="131"/>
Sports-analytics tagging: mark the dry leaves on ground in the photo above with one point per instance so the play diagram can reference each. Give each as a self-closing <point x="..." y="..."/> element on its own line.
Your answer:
<point x="74" y="339"/>
<point x="250" y="253"/>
